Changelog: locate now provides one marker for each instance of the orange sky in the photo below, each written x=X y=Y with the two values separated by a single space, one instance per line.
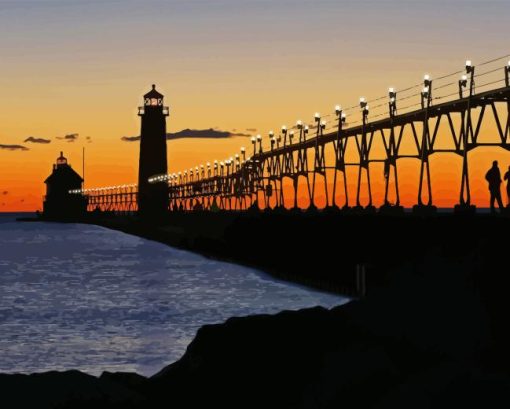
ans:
x=83 y=67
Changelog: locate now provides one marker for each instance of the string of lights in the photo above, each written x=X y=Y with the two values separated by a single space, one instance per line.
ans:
x=425 y=94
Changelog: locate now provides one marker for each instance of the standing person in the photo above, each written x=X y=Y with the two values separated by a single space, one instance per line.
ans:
x=507 y=178
x=493 y=176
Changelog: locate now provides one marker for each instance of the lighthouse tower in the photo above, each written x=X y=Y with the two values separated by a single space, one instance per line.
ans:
x=152 y=198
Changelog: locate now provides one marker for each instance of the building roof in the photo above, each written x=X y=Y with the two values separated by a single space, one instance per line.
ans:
x=63 y=172
x=153 y=93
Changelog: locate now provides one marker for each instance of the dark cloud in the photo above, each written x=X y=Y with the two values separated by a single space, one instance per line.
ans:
x=193 y=133
x=203 y=133
x=14 y=147
x=130 y=138
x=251 y=129
x=240 y=134
x=71 y=137
x=33 y=139
x=5 y=192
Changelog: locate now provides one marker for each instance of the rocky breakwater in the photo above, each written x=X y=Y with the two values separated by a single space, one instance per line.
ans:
x=436 y=337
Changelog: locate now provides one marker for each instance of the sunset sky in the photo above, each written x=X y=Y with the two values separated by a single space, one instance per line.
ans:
x=79 y=68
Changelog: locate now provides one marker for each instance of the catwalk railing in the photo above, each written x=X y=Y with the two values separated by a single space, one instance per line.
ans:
x=117 y=199
x=309 y=157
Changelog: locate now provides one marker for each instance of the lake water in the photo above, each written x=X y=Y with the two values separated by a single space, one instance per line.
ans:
x=76 y=296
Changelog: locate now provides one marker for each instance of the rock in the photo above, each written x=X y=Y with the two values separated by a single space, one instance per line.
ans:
x=69 y=389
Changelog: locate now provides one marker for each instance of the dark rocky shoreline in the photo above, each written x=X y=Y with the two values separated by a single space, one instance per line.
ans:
x=432 y=332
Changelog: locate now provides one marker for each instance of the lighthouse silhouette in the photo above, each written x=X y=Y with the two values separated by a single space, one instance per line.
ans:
x=152 y=197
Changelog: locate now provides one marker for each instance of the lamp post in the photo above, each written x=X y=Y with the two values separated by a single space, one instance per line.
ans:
x=507 y=74
x=259 y=140
x=365 y=110
x=467 y=129
x=299 y=125
x=426 y=93
x=392 y=101
x=339 y=154
x=284 y=133
x=254 y=143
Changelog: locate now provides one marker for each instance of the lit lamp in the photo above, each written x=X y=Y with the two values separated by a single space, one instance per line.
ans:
x=426 y=93
x=462 y=84
x=340 y=115
x=299 y=125
x=469 y=67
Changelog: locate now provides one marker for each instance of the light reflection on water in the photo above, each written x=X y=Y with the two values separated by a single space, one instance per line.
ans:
x=88 y=298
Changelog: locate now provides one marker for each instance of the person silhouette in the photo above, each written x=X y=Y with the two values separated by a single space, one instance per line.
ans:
x=507 y=178
x=493 y=176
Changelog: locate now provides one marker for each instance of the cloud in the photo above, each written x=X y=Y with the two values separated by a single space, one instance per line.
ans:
x=14 y=147
x=71 y=137
x=37 y=140
x=251 y=129
x=203 y=133
x=5 y=192
x=130 y=138
x=240 y=134
x=193 y=133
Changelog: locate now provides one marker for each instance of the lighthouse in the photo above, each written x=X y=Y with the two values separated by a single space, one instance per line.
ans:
x=152 y=198
x=58 y=202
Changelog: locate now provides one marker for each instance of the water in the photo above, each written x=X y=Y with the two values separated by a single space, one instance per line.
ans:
x=88 y=298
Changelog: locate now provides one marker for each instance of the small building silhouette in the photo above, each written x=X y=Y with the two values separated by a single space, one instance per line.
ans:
x=59 y=202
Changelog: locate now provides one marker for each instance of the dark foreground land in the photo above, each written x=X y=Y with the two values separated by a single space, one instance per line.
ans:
x=432 y=331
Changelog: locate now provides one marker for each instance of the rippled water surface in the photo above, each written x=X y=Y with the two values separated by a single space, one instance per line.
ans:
x=89 y=298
